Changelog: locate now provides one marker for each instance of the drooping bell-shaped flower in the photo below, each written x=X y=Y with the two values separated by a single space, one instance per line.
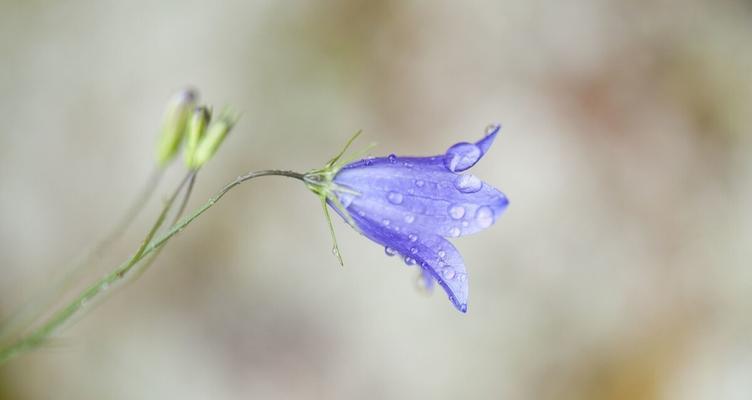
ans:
x=411 y=205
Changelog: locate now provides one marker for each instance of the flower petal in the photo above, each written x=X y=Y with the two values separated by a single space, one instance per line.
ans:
x=421 y=196
x=442 y=261
x=491 y=132
x=410 y=204
x=438 y=258
x=427 y=281
x=463 y=155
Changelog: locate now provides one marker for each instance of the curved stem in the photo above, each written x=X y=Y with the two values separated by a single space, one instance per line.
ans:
x=130 y=215
x=183 y=203
x=159 y=241
x=29 y=313
x=93 y=292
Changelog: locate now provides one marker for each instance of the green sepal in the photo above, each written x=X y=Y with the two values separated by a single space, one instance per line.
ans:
x=195 y=132
x=216 y=133
x=321 y=182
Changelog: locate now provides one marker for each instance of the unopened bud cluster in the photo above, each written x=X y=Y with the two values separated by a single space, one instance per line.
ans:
x=192 y=125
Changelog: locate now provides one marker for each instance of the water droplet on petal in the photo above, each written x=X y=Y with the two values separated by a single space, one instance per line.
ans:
x=414 y=250
x=335 y=251
x=468 y=183
x=413 y=237
x=462 y=156
x=484 y=217
x=462 y=277
x=419 y=183
x=395 y=197
x=448 y=273
x=409 y=218
x=389 y=251
x=456 y=211
x=385 y=222
x=362 y=213
x=491 y=128
x=442 y=253
x=392 y=158
x=454 y=231
x=409 y=261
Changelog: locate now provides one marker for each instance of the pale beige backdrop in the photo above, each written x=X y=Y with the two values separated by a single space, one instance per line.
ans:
x=621 y=269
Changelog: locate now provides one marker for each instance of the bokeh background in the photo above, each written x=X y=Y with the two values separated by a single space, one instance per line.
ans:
x=621 y=269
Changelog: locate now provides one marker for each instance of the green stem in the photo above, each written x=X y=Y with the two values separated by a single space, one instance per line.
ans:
x=153 y=256
x=159 y=241
x=29 y=313
x=130 y=215
x=39 y=335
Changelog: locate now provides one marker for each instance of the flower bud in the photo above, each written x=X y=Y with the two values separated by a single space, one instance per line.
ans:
x=173 y=124
x=215 y=134
x=194 y=133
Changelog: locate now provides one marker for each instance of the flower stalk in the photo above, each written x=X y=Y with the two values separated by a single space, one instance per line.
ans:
x=151 y=243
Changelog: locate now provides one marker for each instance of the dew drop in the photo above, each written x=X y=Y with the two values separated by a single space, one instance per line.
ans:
x=462 y=156
x=409 y=218
x=409 y=261
x=412 y=237
x=484 y=217
x=389 y=251
x=362 y=213
x=335 y=251
x=454 y=231
x=385 y=222
x=414 y=250
x=420 y=183
x=395 y=197
x=456 y=211
x=392 y=158
x=468 y=183
x=462 y=277
x=442 y=253
x=491 y=128
x=448 y=273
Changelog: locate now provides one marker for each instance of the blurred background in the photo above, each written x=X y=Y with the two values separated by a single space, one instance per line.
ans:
x=621 y=269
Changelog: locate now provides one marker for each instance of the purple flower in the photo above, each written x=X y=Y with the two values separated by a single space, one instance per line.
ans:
x=410 y=205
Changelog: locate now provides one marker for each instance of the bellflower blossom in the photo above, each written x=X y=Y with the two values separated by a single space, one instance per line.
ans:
x=411 y=205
